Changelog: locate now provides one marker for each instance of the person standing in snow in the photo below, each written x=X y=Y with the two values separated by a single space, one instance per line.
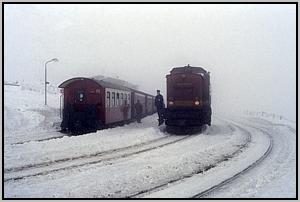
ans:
x=160 y=106
x=138 y=110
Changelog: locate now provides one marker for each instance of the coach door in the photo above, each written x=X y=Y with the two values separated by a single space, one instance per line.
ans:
x=95 y=99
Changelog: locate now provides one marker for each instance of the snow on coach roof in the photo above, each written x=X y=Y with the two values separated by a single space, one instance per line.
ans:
x=99 y=82
x=102 y=83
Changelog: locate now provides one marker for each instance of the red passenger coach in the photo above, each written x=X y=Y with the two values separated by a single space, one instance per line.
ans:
x=90 y=104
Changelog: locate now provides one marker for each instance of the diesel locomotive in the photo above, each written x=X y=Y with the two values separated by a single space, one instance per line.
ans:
x=188 y=98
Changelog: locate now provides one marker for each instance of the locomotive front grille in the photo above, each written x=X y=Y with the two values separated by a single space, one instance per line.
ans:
x=183 y=114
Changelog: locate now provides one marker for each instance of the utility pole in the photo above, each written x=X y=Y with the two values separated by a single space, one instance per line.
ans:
x=46 y=82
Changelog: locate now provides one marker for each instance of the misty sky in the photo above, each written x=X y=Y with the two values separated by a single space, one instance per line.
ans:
x=249 y=49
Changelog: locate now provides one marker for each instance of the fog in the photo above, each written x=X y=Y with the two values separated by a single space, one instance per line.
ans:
x=249 y=49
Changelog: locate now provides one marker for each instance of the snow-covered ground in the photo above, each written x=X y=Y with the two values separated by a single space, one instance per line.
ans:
x=141 y=160
x=275 y=177
x=25 y=115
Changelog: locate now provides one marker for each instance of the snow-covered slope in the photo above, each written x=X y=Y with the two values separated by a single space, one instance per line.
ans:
x=25 y=114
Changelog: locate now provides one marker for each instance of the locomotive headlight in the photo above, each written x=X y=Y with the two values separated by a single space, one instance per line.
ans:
x=171 y=103
x=197 y=102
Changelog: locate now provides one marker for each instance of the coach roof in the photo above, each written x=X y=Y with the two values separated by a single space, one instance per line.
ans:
x=102 y=83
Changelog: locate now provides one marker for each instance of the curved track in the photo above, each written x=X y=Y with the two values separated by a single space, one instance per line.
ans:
x=144 y=193
x=213 y=175
x=275 y=176
x=251 y=166
x=202 y=170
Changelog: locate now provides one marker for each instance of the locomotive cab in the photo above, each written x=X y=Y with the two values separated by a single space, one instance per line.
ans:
x=188 y=97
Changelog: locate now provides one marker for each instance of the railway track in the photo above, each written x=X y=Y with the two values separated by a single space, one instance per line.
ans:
x=116 y=156
x=42 y=139
x=224 y=182
x=22 y=172
x=201 y=170
x=231 y=179
x=215 y=187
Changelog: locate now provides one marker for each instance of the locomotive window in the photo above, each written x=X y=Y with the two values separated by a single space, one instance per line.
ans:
x=108 y=99
x=128 y=96
x=113 y=99
x=121 y=98
x=80 y=95
x=184 y=85
x=125 y=96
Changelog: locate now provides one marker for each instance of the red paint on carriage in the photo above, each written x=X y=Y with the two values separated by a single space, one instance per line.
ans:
x=89 y=102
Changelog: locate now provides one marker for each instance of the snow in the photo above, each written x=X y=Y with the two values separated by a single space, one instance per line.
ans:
x=137 y=172
x=25 y=115
x=56 y=149
x=275 y=176
x=190 y=187
x=141 y=160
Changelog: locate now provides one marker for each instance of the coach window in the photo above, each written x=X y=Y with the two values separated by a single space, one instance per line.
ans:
x=108 y=99
x=129 y=97
x=121 y=98
x=113 y=99
x=118 y=99
x=80 y=95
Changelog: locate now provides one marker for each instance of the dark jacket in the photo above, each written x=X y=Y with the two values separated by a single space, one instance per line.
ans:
x=159 y=102
x=138 y=108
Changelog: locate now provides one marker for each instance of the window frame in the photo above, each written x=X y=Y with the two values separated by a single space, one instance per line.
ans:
x=108 y=99
x=118 y=98
x=113 y=99
x=78 y=93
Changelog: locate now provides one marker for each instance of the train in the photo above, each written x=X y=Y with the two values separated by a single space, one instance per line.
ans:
x=188 y=98
x=89 y=104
